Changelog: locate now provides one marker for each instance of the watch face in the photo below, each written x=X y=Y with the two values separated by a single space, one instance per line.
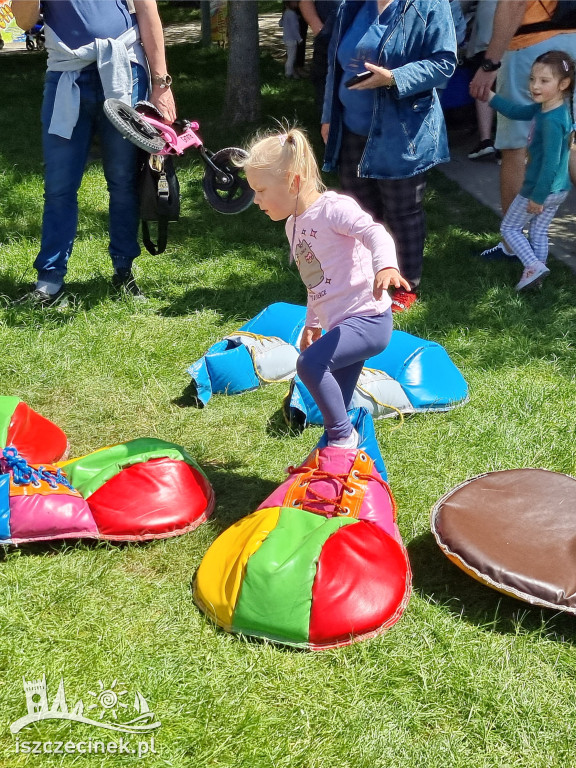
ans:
x=489 y=66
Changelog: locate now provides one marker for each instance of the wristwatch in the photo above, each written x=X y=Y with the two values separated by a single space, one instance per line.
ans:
x=490 y=66
x=164 y=81
x=392 y=82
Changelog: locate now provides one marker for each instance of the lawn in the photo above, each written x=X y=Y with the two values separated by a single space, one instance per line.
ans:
x=468 y=678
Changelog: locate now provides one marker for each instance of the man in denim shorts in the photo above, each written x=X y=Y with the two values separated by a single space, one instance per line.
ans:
x=509 y=56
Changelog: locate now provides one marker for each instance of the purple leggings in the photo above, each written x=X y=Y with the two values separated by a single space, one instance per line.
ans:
x=330 y=367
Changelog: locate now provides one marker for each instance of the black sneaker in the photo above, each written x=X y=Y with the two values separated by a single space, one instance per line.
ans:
x=39 y=297
x=484 y=149
x=123 y=280
x=497 y=253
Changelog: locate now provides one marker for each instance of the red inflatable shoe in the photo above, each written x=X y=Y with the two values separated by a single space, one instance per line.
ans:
x=36 y=438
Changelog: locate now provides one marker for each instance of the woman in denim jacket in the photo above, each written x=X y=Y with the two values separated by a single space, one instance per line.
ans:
x=385 y=132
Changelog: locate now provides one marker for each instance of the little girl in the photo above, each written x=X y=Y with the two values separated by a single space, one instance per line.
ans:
x=346 y=261
x=547 y=180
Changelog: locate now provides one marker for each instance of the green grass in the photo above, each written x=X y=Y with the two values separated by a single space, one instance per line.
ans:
x=468 y=678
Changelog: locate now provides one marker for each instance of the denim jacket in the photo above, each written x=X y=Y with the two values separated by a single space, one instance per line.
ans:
x=407 y=134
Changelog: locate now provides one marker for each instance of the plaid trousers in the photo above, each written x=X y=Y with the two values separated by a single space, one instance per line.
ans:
x=396 y=203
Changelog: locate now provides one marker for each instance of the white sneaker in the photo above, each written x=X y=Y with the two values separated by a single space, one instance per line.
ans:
x=533 y=275
x=346 y=442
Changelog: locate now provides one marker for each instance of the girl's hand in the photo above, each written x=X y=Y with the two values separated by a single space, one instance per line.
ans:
x=324 y=129
x=386 y=278
x=533 y=207
x=309 y=336
x=380 y=78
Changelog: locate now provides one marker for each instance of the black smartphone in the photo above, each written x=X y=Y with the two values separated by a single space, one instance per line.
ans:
x=358 y=78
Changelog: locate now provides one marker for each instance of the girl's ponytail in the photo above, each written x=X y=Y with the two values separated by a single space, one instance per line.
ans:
x=286 y=153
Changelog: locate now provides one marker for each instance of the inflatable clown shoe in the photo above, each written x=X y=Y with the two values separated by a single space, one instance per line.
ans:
x=142 y=489
x=136 y=491
x=337 y=482
x=39 y=503
x=411 y=375
x=320 y=564
x=263 y=350
x=34 y=437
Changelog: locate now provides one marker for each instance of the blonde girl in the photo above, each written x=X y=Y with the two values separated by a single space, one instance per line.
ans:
x=347 y=262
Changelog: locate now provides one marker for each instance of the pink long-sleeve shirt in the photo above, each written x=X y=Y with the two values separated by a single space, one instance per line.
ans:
x=338 y=249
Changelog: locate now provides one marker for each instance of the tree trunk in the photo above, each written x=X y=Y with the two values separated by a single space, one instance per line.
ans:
x=205 y=23
x=242 y=102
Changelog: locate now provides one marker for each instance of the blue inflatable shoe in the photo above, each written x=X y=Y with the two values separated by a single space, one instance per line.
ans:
x=364 y=425
x=263 y=350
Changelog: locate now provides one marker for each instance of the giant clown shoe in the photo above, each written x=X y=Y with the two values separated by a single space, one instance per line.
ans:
x=411 y=375
x=320 y=564
x=135 y=491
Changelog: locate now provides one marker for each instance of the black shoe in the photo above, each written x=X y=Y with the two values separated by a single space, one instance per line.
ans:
x=41 y=298
x=123 y=280
x=484 y=149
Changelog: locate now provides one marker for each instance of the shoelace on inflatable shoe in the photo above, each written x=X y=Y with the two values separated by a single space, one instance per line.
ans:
x=338 y=507
x=24 y=474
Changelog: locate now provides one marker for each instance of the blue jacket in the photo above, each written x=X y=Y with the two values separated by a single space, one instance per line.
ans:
x=407 y=135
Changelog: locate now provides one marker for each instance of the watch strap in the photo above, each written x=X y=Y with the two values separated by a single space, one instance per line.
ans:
x=164 y=81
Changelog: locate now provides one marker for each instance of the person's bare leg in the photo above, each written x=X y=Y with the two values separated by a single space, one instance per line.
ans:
x=485 y=118
x=512 y=173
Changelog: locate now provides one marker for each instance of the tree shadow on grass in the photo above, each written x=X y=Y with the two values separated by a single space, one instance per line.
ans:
x=435 y=577
x=16 y=312
x=237 y=298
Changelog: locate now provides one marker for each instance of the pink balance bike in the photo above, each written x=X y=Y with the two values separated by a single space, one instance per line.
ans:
x=223 y=184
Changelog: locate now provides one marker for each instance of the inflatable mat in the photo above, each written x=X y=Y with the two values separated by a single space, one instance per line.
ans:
x=514 y=531
x=320 y=564
x=135 y=491
x=411 y=375
x=35 y=438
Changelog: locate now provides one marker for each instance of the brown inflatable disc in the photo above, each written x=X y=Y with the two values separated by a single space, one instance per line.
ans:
x=514 y=531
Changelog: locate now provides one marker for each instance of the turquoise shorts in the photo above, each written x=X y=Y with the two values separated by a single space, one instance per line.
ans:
x=512 y=83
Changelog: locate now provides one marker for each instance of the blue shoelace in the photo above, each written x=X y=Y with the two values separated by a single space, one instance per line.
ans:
x=24 y=474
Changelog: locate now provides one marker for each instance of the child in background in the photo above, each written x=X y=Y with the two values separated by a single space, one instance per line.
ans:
x=347 y=262
x=290 y=24
x=547 y=180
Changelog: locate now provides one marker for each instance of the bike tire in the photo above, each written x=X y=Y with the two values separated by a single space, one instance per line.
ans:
x=133 y=126
x=230 y=198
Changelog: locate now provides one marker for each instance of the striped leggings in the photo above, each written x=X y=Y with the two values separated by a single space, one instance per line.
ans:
x=533 y=248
